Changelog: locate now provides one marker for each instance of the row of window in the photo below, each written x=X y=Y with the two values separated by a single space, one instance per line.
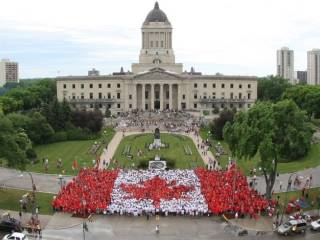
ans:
x=100 y=96
x=90 y=85
x=195 y=85
x=223 y=105
x=232 y=96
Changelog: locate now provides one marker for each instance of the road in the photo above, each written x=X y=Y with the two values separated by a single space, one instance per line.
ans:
x=171 y=228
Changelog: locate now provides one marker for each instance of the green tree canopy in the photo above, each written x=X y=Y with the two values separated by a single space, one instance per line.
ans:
x=217 y=125
x=271 y=88
x=307 y=97
x=274 y=131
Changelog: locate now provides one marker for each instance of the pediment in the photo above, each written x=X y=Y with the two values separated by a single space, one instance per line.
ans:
x=157 y=74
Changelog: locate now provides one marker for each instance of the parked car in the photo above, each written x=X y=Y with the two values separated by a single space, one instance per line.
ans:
x=10 y=225
x=293 y=226
x=304 y=216
x=15 y=236
x=315 y=225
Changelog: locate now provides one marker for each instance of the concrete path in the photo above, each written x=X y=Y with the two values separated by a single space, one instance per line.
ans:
x=284 y=178
x=44 y=219
x=11 y=178
x=108 y=153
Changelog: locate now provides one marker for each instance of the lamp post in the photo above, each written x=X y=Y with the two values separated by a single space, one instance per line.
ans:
x=60 y=177
x=286 y=196
x=84 y=224
x=34 y=200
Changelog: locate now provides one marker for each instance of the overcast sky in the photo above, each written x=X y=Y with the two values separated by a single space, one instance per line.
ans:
x=238 y=37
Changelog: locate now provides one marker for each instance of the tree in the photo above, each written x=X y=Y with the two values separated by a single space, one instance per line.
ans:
x=272 y=88
x=9 y=104
x=306 y=97
x=91 y=120
x=218 y=123
x=276 y=132
x=13 y=144
x=34 y=124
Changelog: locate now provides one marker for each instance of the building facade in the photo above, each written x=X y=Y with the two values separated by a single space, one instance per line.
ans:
x=9 y=72
x=285 y=64
x=301 y=77
x=314 y=67
x=157 y=82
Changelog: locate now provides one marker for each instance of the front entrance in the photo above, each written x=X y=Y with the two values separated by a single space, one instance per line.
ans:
x=157 y=104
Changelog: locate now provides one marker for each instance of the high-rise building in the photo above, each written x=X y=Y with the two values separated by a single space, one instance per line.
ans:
x=301 y=77
x=285 y=64
x=314 y=67
x=93 y=72
x=9 y=72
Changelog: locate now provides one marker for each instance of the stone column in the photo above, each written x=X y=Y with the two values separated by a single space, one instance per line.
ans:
x=143 y=99
x=179 y=96
x=170 y=96
x=134 y=97
x=161 y=97
x=152 y=97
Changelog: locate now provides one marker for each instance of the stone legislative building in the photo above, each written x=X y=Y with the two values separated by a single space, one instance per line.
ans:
x=157 y=82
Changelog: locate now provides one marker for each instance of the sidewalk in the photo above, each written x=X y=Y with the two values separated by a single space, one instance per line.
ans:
x=44 y=219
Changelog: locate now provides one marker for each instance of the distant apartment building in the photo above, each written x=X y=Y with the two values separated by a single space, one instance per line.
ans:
x=93 y=72
x=301 y=77
x=314 y=67
x=9 y=72
x=285 y=64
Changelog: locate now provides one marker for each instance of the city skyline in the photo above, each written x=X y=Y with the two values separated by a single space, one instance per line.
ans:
x=61 y=39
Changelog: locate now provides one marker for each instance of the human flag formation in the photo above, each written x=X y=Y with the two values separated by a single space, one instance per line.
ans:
x=190 y=192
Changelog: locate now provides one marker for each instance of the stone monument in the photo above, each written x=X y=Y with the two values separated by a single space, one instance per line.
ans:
x=156 y=140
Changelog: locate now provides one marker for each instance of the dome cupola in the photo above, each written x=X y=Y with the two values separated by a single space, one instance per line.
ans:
x=156 y=15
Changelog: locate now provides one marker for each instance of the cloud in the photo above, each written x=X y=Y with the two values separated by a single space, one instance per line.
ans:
x=230 y=36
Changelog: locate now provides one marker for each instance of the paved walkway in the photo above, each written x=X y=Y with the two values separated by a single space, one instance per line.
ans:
x=12 y=178
x=283 y=180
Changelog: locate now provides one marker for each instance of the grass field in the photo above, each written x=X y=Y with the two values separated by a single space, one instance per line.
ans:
x=309 y=161
x=176 y=151
x=68 y=152
x=312 y=199
x=10 y=200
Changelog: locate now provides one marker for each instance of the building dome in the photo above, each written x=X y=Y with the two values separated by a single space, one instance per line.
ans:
x=156 y=15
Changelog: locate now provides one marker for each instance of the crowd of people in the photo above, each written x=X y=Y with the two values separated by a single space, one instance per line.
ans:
x=171 y=121
x=155 y=191
x=228 y=191
x=138 y=192
x=89 y=192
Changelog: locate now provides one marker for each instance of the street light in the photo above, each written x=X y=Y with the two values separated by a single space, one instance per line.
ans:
x=34 y=200
x=60 y=177
x=286 y=196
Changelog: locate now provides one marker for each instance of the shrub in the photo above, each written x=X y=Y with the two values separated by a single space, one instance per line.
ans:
x=59 y=137
x=143 y=164
x=215 y=110
x=205 y=112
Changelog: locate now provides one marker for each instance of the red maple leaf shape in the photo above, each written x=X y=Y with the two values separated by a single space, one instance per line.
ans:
x=156 y=189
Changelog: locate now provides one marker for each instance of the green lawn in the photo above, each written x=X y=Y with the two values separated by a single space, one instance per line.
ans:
x=68 y=152
x=10 y=200
x=312 y=199
x=309 y=161
x=175 y=152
